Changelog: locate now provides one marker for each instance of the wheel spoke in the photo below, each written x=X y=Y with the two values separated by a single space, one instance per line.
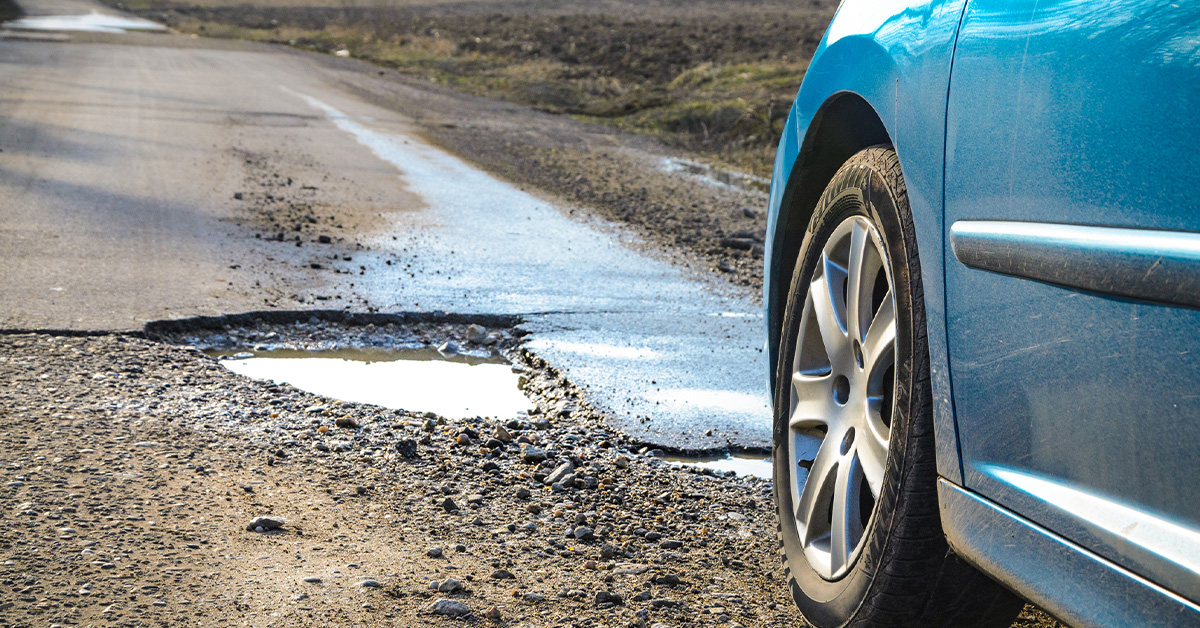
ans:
x=845 y=525
x=826 y=313
x=872 y=449
x=881 y=336
x=812 y=404
x=810 y=508
x=859 y=239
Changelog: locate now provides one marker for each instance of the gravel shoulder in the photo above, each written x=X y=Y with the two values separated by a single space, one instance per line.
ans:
x=132 y=470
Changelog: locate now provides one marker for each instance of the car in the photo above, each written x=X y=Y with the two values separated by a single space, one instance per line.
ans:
x=982 y=294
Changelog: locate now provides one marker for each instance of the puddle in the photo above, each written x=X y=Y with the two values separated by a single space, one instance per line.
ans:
x=94 y=22
x=742 y=464
x=717 y=176
x=417 y=380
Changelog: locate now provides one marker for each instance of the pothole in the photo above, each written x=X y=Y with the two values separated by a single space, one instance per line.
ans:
x=458 y=370
x=741 y=464
x=455 y=386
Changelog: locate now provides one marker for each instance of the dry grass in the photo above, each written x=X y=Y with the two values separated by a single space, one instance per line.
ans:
x=714 y=78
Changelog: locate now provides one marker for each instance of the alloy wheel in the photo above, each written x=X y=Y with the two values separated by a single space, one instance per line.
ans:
x=843 y=384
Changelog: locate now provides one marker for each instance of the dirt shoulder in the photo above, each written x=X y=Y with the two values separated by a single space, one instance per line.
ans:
x=132 y=470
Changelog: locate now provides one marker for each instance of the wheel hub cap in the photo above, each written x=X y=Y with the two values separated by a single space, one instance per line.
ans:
x=843 y=381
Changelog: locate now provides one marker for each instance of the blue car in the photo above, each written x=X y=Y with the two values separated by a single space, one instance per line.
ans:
x=982 y=289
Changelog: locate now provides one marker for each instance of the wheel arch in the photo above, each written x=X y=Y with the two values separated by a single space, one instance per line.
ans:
x=844 y=124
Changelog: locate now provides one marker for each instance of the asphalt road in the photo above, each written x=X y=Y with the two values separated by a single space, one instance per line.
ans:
x=152 y=176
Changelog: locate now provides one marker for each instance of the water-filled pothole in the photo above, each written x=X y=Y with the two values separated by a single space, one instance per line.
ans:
x=742 y=464
x=417 y=380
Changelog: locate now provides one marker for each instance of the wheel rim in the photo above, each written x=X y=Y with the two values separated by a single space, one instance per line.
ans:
x=843 y=383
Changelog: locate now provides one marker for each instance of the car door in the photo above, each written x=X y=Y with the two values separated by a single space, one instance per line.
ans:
x=1075 y=352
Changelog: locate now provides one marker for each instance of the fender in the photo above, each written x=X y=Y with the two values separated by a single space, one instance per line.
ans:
x=880 y=75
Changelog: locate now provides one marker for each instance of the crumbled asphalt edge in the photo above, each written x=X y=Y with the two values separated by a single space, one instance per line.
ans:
x=552 y=393
x=183 y=402
x=116 y=442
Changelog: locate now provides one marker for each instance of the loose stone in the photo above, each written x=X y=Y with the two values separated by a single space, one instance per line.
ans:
x=450 y=608
x=263 y=524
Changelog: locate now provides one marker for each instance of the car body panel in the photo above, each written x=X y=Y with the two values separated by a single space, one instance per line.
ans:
x=1066 y=405
x=1076 y=408
x=896 y=55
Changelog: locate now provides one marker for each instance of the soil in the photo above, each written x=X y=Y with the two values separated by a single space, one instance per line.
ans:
x=134 y=468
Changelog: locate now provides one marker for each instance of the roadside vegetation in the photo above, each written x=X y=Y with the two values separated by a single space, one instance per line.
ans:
x=714 y=78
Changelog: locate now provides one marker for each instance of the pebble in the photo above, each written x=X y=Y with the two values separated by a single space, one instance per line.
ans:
x=345 y=421
x=450 y=608
x=493 y=614
x=503 y=574
x=449 y=506
x=502 y=434
x=532 y=454
x=263 y=524
x=608 y=597
x=476 y=333
x=434 y=552
x=370 y=584
x=449 y=585
x=622 y=462
x=449 y=348
x=313 y=580
x=560 y=472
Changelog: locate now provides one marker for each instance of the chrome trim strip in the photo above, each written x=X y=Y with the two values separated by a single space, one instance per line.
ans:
x=1149 y=265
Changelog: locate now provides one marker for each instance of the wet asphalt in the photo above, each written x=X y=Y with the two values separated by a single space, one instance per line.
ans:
x=123 y=162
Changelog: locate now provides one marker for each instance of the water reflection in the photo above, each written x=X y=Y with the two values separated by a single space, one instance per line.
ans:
x=742 y=464
x=418 y=380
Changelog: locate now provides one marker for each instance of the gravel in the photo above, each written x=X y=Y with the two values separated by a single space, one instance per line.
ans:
x=103 y=531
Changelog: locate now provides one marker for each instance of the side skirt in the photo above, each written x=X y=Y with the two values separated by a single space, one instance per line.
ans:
x=1072 y=583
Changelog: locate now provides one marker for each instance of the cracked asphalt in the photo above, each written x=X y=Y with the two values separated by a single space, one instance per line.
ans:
x=153 y=176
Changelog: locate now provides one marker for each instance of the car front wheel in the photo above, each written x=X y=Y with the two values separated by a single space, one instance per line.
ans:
x=859 y=529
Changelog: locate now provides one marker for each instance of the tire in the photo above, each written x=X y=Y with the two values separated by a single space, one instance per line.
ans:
x=866 y=548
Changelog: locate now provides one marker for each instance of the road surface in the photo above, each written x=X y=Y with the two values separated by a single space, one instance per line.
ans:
x=151 y=176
